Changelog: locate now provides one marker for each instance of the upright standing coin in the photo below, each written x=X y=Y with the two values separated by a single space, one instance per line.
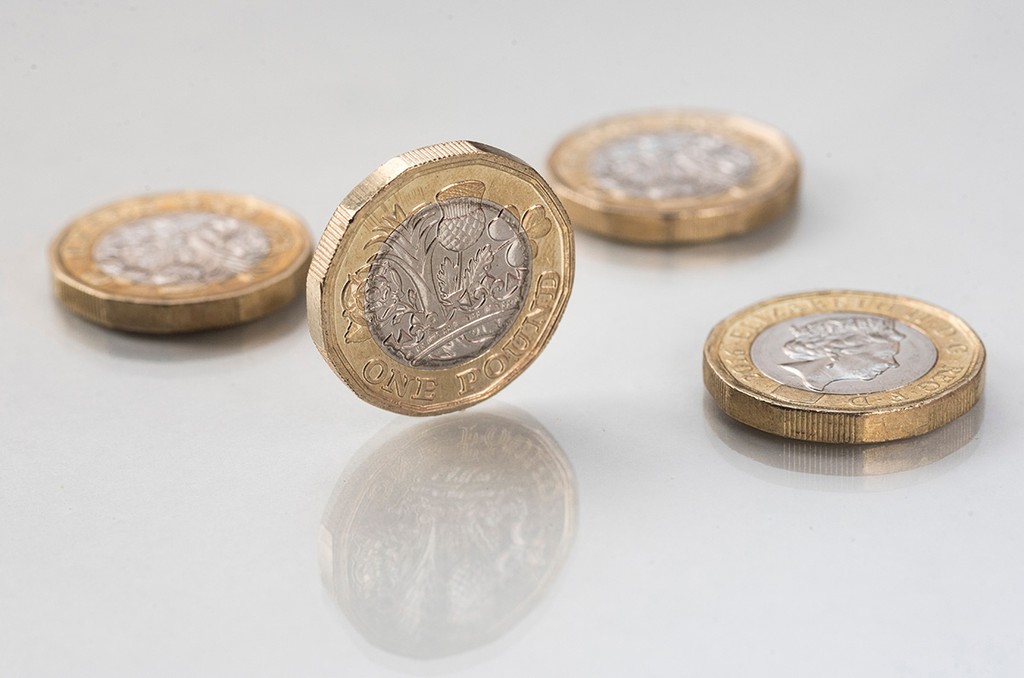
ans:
x=675 y=176
x=844 y=367
x=440 y=278
x=180 y=262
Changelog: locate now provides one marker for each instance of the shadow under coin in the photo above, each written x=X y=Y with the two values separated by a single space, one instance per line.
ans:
x=711 y=254
x=874 y=466
x=188 y=346
x=440 y=538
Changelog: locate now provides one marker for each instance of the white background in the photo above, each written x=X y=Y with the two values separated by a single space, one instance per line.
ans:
x=161 y=499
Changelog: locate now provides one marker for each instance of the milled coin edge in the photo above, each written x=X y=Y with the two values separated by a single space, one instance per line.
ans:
x=879 y=424
x=180 y=315
x=684 y=223
x=324 y=255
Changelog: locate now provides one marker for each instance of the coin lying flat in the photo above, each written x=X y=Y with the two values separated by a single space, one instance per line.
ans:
x=840 y=366
x=831 y=460
x=674 y=176
x=440 y=278
x=180 y=262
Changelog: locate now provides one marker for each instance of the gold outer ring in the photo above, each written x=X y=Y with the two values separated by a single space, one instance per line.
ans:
x=767 y=192
x=949 y=389
x=335 y=287
x=82 y=287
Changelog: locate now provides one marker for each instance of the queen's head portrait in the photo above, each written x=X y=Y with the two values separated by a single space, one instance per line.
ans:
x=840 y=348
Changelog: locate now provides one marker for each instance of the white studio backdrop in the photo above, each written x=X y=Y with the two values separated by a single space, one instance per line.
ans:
x=170 y=506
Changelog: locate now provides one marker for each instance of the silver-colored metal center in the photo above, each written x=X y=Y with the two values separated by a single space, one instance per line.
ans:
x=448 y=282
x=843 y=353
x=670 y=164
x=185 y=248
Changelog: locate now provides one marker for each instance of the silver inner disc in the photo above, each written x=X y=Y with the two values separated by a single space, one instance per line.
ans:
x=448 y=282
x=843 y=353
x=670 y=164
x=181 y=249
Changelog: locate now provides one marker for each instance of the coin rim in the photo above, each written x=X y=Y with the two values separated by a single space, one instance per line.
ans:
x=339 y=235
x=850 y=424
x=677 y=220
x=194 y=312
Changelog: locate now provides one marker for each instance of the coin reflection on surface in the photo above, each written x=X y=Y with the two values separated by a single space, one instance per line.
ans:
x=831 y=459
x=441 y=538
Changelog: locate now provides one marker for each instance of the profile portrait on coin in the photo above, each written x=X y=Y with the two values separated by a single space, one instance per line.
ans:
x=844 y=366
x=836 y=349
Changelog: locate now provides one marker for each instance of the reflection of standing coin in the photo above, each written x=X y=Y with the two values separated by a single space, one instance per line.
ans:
x=851 y=367
x=442 y=538
x=674 y=177
x=440 y=278
x=180 y=262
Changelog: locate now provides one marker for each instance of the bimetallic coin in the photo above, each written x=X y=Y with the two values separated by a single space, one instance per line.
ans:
x=850 y=367
x=180 y=262
x=440 y=278
x=675 y=176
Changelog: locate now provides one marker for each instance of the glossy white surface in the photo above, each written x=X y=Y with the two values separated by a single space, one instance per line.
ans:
x=161 y=500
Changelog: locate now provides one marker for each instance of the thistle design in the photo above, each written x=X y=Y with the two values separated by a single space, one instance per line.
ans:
x=463 y=220
x=447 y=281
